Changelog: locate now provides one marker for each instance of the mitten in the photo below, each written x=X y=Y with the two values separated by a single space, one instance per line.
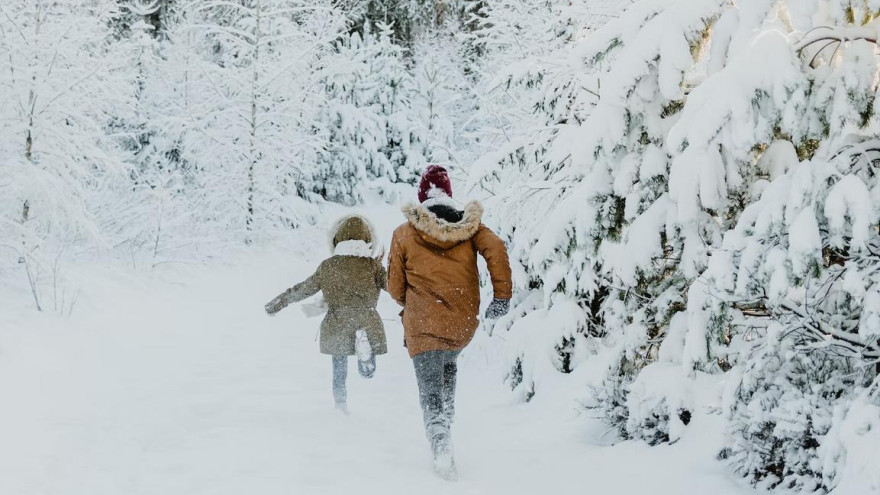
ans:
x=275 y=305
x=497 y=309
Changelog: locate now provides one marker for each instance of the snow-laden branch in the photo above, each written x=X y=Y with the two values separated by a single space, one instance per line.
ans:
x=202 y=5
x=232 y=33
x=839 y=34
x=822 y=332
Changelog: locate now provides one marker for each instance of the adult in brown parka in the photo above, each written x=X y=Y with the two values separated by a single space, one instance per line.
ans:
x=350 y=281
x=432 y=273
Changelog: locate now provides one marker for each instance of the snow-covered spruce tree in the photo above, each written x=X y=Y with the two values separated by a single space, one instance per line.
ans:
x=441 y=99
x=61 y=87
x=638 y=272
x=603 y=237
x=176 y=193
x=373 y=135
x=140 y=223
x=788 y=296
x=242 y=95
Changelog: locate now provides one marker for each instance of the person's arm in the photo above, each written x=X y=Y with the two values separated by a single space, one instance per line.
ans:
x=309 y=287
x=396 y=273
x=381 y=276
x=492 y=248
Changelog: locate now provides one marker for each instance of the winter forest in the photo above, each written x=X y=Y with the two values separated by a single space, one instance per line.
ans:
x=688 y=191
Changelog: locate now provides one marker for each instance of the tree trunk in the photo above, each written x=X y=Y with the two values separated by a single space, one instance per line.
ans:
x=254 y=154
x=158 y=17
x=29 y=156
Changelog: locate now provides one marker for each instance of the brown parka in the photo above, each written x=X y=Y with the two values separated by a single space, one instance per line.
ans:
x=351 y=283
x=432 y=273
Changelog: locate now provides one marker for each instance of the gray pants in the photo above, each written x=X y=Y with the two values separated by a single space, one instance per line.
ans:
x=340 y=374
x=436 y=373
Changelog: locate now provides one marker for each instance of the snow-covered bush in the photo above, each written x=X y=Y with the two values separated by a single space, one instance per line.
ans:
x=659 y=403
x=532 y=355
x=802 y=263
x=782 y=410
x=849 y=449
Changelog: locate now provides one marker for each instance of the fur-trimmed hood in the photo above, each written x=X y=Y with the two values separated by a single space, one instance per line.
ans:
x=445 y=233
x=354 y=235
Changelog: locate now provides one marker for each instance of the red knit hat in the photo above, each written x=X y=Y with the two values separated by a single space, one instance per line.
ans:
x=434 y=179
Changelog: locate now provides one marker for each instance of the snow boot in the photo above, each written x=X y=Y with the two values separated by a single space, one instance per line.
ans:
x=343 y=408
x=364 y=351
x=444 y=467
x=444 y=462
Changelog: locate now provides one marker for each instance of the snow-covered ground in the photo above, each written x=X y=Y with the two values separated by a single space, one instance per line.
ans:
x=175 y=382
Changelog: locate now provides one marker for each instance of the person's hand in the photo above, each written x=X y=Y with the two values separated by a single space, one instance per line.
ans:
x=274 y=306
x=497 y=309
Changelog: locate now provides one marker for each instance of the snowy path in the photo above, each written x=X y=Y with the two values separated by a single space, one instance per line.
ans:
x=188 y=388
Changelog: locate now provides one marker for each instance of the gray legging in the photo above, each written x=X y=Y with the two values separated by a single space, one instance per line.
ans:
x=436 y=374
x=340 y=373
